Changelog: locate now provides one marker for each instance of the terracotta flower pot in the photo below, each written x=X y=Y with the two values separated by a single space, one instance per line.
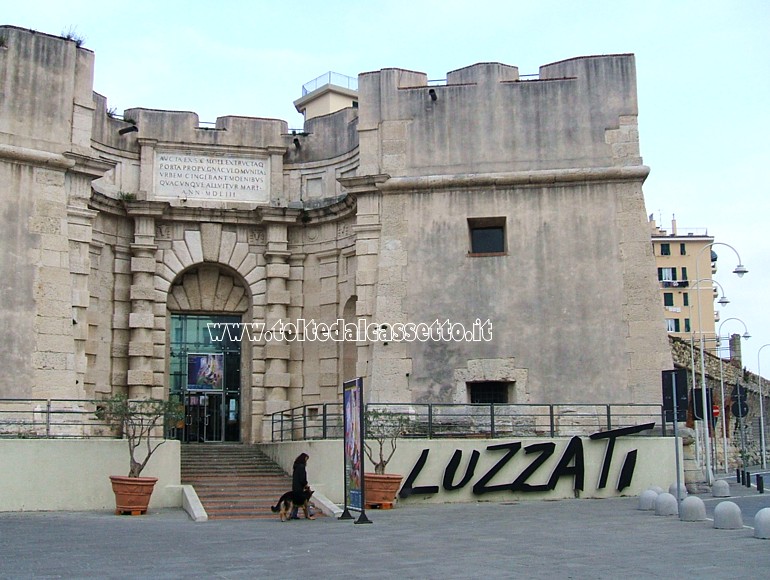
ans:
x=381 y=490
x=132 y=494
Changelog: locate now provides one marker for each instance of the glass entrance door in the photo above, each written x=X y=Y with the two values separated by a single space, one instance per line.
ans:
x=206 y=376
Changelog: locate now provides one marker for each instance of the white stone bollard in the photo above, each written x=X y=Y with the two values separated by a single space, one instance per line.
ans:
x=647 y=499
x=721 y=488
x=727 y=516
x=762 y=524
x=693 y=509
x=682 y=490
x=657 y=489
x=665 y=505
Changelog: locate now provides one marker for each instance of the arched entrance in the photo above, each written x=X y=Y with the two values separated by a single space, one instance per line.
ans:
x=206 y=362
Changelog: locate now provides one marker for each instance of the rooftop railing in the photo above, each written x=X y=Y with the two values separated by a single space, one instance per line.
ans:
x=330 y=78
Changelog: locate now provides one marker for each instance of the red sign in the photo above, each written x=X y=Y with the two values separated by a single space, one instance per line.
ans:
x=715 y=410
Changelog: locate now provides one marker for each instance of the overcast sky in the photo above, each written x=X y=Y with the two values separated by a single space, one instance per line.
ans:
x=703 y=72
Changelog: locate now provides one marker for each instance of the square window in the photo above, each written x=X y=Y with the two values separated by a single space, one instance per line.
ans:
x=487 y=236
x=668 y=299
x=488 y=392
x=672 y=324
x=665 y=249
x=667 y=274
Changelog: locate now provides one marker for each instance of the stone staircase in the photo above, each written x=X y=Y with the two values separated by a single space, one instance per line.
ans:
x=233 y=480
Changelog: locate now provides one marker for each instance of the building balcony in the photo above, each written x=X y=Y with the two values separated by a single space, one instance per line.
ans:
x=674 y=283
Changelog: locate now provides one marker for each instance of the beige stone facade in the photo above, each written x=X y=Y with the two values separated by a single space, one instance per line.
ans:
x=120 y=233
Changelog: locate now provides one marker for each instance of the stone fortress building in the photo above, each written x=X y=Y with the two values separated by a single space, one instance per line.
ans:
x=511 y=207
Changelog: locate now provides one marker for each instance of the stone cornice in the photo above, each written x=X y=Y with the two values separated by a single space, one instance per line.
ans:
x=35 y=157
x=92 y=166
x=364 y=183
x=430 y=183
x=145 y=208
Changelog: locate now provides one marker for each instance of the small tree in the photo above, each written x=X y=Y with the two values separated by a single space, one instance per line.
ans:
x=385 y=428
x=137 y=420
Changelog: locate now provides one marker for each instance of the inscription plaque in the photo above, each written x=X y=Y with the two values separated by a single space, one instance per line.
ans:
x=193 y=176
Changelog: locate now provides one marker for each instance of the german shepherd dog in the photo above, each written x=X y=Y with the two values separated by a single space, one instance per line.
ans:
x=288 y=500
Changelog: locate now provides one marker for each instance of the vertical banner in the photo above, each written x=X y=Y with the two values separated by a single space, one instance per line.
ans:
x=353 y=452
x=353 y=423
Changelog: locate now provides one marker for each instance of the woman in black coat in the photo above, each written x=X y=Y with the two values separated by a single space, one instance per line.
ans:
x=299 y=481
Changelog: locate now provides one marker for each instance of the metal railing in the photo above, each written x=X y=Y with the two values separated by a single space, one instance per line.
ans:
x=437 y=420
x=330 y=78
x=51 y=418
x=76 y=418
x=57 y=419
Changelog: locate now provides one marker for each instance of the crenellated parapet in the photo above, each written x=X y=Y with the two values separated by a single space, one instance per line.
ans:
x=487 y=119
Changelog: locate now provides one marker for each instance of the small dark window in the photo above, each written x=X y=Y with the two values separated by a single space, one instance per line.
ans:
x=668 y=299
x=687 y=325
x=487 y=236
x=665 y=249
x=685 y=299
x=683 y=249
x=684 y=274
x=488 y=392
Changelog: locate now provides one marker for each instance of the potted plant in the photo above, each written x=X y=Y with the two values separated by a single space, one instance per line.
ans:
x=141 y=422
x=383 y=428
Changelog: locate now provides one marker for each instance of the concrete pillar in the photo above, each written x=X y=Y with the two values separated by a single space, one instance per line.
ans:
x=277 y=380
x=141 y=318
x=367 y=229
x=329 y=351
x=79 y=230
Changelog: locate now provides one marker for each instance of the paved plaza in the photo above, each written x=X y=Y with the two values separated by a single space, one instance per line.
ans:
x=607 y=538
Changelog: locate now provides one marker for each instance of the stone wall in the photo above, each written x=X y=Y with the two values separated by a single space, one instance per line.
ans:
x=573 y=299
x=722 y=378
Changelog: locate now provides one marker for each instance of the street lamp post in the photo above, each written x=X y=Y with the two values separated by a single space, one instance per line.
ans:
x=761 y=410
x=723 y=301
x=740 y=270
x=722 y=413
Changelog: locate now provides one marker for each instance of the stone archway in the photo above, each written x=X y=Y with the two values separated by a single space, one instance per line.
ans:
x=208 y=288
x=217 y=406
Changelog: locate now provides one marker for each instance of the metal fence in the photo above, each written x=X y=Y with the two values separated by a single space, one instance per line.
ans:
x=436 y=420
x=51 y=418
x=76 y=418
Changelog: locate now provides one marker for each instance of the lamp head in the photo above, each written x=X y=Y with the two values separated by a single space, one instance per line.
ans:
x=723 y=301
x=740 y=269
x=746 y=335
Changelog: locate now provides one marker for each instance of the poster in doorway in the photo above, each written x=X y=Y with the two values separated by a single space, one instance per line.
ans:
x=205 y=371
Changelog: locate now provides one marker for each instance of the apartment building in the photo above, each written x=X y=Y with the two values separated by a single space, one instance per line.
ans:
x=686 y=263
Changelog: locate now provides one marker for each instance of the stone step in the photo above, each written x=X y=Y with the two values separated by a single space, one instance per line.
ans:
x=233 y=480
